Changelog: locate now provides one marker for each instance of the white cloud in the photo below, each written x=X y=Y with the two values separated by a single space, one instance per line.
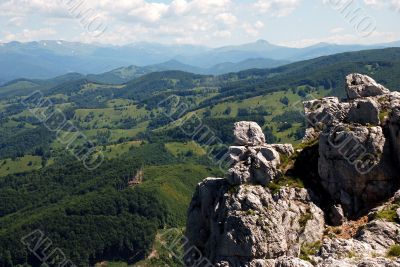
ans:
x=259 y=24
x=375 y=37
x=27 y=35
x=337 y=30
x=149 y=12
x=209 y=22
x=226 y=18
x=396 y=5
x=391 y=4
x=179 y=7
x=277 y=8
x=252 y=29
x=15 y=21
x=372 y=2
x=25 y=7
x=222 y=34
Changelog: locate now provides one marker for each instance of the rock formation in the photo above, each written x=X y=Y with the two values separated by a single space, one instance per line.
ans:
x=359 y=85
x=254 y=162
x=356 y=148
x=254 y=218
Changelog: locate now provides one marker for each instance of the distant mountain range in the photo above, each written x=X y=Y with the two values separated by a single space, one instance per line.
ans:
x=46 y=59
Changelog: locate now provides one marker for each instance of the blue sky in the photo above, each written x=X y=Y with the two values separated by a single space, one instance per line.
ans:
x=205 y=22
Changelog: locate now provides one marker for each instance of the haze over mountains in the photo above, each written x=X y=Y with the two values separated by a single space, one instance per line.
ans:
x=46 y=59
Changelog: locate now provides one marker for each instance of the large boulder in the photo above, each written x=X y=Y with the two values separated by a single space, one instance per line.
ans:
x=354 y=167
x=320 y=113
x=253 y=165
x=248 y=133
x=283 y=149
x=253 y=161
x=236 y=226
x=364 y=111
x=325 y=111
x=359 y=85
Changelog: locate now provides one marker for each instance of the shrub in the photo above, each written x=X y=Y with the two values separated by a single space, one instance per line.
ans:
x=307 y=250
x=388 y=214
x=305 y=218
x=394 y=251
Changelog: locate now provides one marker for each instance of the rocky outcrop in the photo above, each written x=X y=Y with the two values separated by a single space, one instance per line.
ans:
x=254 y=162
x=359 y=85
x=352 y=166
x=237 y=221
x=253 y=165
x=364 y=112
x=247 y=225
x=356 y=148
x=368 y=247
x=248 y=134
x=254 y=218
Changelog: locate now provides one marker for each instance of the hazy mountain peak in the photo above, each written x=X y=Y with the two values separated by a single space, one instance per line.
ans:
x=262 y=41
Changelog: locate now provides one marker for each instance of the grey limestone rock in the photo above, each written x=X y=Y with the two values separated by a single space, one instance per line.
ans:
x=359 y=85
x=248 y=133
x=353 y=168
x=364 y=111
x=249 y=223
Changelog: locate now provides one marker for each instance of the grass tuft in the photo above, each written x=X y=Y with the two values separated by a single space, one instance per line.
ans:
x=394 y=251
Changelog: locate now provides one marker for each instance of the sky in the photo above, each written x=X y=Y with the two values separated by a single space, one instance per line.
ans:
x=213 y=23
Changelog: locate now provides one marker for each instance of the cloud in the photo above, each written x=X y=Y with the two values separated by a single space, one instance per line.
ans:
x=390 y=4
x=180 y=20
x=277 y=8
x=375 y=37
x=210 y=22
x=222 y=34
x=25 y=7
x=253 y=30
x=226 y=18
x=179 y=7
x=372 y=2
x=337 y=30
x=27 y=35
x=149 y=12
x=396 y=5
x=15 y=22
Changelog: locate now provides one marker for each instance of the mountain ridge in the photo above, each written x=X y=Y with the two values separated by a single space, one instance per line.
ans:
x=37 y=59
